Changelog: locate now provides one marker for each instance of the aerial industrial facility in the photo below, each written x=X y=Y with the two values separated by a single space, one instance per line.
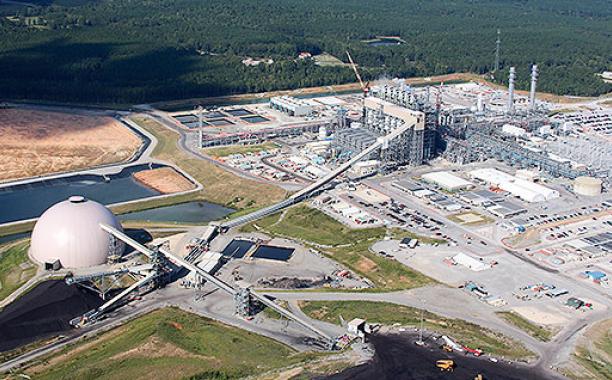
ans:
x=484 y=190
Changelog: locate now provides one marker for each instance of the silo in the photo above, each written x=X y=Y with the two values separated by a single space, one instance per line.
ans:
x=588 y=186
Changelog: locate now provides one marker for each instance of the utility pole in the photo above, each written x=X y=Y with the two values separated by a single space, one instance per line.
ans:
x=420 y=341
x=200 y=125
x=497 y=45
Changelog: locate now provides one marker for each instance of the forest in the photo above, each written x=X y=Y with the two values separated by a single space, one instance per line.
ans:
x=136 y=51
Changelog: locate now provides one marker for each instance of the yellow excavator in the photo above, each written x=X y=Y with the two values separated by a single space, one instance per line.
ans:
x=445 y=365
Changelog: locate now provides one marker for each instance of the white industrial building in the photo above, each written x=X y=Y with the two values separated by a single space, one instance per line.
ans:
x=513 y=130
x=69 y=234
x=470 y=262
x=291 y=105
x=447 y=181
x=525 y=190
x=210 y=262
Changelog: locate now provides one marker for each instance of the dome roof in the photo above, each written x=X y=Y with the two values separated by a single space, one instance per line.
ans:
x=70 y=232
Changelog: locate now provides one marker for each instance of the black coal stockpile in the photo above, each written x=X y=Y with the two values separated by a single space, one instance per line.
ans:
x=398 y=358
x=43 y=312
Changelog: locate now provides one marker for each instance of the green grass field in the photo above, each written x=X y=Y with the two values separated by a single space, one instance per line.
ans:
x=240 y=149
x=464 y=332
x=169 y=344
x=539 y=332
x=15 y=267
x=346 y=246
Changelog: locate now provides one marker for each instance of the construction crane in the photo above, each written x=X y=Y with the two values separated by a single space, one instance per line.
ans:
x=364 y=87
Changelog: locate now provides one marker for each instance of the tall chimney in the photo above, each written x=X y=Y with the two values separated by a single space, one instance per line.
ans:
x=510 y=107
x=532 y=90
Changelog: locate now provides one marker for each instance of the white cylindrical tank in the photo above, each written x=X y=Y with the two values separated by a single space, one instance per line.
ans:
x=480 y=103
x=322 y=133
x=70 y=232
x=588 y=186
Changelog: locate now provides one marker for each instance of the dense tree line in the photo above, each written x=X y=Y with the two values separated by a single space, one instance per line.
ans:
x=146 y=50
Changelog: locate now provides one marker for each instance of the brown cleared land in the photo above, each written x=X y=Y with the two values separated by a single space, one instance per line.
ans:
x=415 y=81
x=165 y=180
x=35 y=143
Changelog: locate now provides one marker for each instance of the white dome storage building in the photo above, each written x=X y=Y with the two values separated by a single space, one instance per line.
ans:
x=69 y=232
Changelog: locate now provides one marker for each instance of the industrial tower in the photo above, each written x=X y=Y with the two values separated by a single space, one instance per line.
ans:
x=497 y=45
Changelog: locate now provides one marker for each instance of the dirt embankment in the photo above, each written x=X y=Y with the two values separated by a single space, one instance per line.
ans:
x=35 y=143
x=165 y=180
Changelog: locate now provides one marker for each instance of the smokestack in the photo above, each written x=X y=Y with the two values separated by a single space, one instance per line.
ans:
x=532 y=90
x=510 y=107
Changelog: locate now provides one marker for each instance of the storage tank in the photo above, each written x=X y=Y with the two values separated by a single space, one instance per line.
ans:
x=322 y=133
x=69 y=232
x=588 y=186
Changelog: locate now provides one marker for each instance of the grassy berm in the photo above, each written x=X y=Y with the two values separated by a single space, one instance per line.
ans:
x=169 y=344
x=388 y=314
x=15 y=267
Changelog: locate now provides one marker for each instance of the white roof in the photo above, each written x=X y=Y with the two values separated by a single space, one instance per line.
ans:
x=447 y=180
x=491 y=175
x=70 y=232
x=423 y=193
x=470 y=262
x=526 y=190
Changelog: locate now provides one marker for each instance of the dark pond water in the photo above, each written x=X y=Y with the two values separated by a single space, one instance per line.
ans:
x=237 y=248
x=190 y=212
x=30 y=200
x=273 y=253
x=255 y=119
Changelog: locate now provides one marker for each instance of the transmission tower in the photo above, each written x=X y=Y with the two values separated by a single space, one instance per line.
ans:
x=497 y=45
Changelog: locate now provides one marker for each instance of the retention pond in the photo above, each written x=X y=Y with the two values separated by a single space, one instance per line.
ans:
x=30 y=200
x=189 y=212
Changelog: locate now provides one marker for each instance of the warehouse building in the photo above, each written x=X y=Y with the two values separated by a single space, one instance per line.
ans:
x=291 y=106
x=520 y=188
x=447 y=181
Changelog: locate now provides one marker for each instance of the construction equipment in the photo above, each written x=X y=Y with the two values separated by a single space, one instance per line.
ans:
x=452 y=344
x=473 y=351
x=445 y=365
x=447 y=348
x=364 y=87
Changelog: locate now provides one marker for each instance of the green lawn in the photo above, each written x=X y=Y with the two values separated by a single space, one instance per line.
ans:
x=387 y=314
x=539 y=332
x=347 y=246
x=311 y=225
x=170 y=344
x=15 y=267
x=240 y=149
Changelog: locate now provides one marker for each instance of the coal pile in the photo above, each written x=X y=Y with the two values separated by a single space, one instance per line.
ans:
x=398 y=358
x=294 y=282
x=43 y=312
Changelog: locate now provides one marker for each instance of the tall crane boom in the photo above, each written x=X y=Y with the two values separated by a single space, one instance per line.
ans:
x=354 y=66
